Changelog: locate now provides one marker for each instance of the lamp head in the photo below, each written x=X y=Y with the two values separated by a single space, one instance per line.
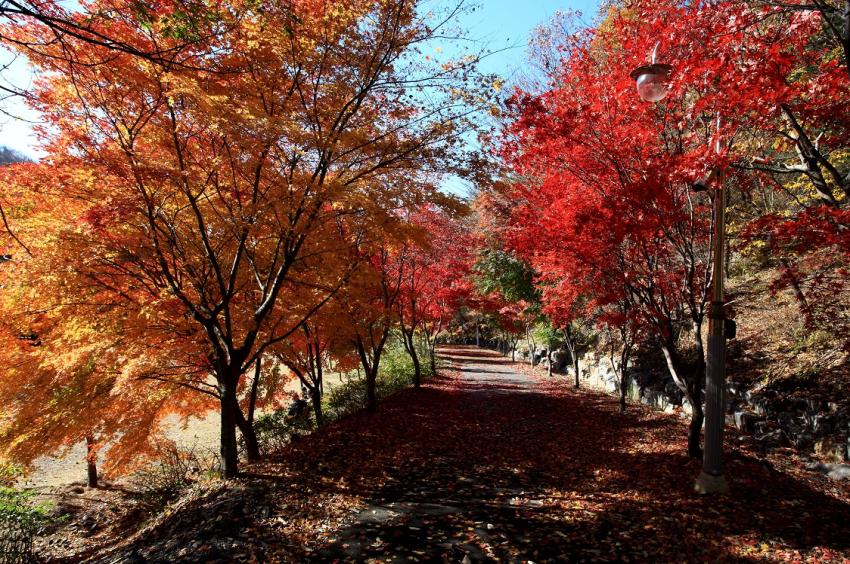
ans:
x=652 y=81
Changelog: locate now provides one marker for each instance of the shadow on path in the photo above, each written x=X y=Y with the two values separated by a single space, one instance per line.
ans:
x=486 y=463
x=495 y=466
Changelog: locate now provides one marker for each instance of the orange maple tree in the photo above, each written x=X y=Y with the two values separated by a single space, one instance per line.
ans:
x=190 y=202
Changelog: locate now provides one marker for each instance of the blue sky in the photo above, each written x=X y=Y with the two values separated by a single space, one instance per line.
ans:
x=503 y=25
x=508 y=23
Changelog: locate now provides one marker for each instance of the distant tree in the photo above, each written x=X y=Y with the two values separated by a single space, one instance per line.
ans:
x=11 y=156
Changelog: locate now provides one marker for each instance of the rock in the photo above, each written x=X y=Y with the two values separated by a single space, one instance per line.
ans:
x=832 y=449
x=832 y=471
x=774 y=439
x=559 y=359
x=813 y=405
x=802 y=440
x=539 y=357
x=88 y=522
x=746 y=421
x=785 y=419
x=822 y=425
x=760 y=428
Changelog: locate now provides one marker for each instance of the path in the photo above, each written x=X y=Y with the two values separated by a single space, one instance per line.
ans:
x=487 y=463
x=499 y=465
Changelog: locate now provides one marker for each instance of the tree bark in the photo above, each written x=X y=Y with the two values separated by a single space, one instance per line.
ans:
x=371 y=396
x=249 y=435
x=532 y=346
x=410 y=346
x=572 y=345
x=624 y=373
x=229 y=449
x=255 y=386
x=317 y=409
x=845 y=40
x=624 y=388
x=91 y=462
x=695 y=427
x=417 y=371
x=692 y=389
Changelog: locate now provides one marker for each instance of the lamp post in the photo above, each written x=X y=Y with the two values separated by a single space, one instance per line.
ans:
x=652 y=83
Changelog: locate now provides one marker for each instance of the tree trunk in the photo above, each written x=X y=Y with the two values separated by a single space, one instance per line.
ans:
x=532 y=346
x=255 y=387
x=575 y=369
x=91 y=462
x=317 y=409
x=692 y=389
x=229 y=449
x=794 y=282
x=572 y=346
x=695 y=427
x=410 y=345
x=845 y=40
x=249 y=435
x=371 y=384
x=624 y=372
x=624 y=388
x=417 y=371
x=318 y=392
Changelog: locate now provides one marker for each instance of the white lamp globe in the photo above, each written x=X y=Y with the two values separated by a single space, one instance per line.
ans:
x=652 y=81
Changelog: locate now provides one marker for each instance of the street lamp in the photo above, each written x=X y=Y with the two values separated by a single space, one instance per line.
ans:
x=653 y=84
x=652 y=80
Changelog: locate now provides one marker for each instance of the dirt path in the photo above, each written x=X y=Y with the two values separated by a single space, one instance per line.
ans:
x=488 y=463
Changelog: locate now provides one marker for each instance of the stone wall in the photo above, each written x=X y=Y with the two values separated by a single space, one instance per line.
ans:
x=770 y=421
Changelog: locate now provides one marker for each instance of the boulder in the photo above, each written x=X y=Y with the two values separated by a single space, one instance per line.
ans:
x=786 y=419
x=832 y=449
x=802 y=440
x=822 y=425
x=772 y=440
x=832 y=471
x=746 y=421
x=761 y=428
x=559 y=359
x=814 y=405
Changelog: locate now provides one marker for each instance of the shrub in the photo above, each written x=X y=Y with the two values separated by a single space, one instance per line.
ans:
x=18 y=506
x=276 y=429
x=395 y=374
x=172 y=471
x=346 y=398
x=20 y=516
